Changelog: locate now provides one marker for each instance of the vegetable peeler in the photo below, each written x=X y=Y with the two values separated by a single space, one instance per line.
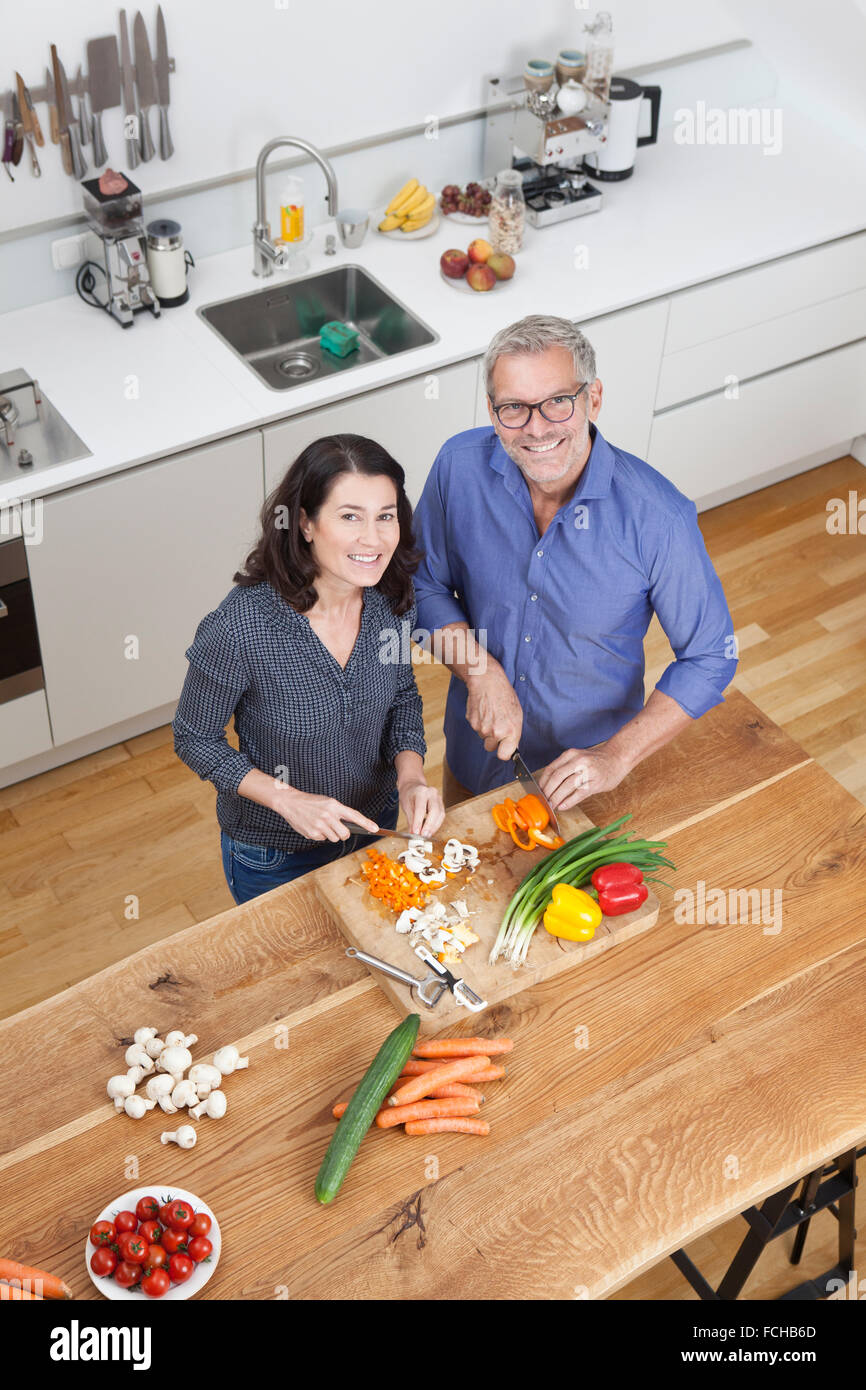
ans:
x=433 y=986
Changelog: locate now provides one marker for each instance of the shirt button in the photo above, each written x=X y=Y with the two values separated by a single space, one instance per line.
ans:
x=533 y=597
x=523 y=678
x=539 y=553
x=527 y=638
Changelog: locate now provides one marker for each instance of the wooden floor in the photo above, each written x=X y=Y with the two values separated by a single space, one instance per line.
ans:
x=103 y=856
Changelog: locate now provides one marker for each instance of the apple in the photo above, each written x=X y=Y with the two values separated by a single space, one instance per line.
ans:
x=481 y=277
x=454 y=264
x=479 y=250
x=501 y=264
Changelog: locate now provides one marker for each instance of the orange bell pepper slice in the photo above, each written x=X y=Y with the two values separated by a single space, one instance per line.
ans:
x=533 y=811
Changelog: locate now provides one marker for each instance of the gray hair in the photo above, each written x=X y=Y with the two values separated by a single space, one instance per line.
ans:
x=537 y=333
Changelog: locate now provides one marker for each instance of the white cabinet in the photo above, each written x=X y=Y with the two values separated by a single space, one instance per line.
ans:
x=412 y=419
x=24 y=728
x=628 y=349
x=127 y=567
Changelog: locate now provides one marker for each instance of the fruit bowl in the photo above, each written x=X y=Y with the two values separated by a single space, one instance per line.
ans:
x=477 y=270
x=397 y=235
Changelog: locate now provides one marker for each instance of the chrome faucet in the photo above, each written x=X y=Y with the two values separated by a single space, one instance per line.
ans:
x=265 y=254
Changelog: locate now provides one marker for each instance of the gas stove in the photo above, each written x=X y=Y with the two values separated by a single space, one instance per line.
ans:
x=33 y=433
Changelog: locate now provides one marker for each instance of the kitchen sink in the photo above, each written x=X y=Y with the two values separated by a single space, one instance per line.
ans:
x=276 y=330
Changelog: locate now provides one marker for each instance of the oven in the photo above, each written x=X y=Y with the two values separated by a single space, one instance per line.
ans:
x=20 y=659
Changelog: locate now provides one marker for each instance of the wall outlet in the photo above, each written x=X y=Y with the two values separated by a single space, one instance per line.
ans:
x=69 y=251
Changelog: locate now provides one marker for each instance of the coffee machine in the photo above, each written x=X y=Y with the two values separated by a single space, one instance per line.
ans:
x=116 y=218
x=527 y=131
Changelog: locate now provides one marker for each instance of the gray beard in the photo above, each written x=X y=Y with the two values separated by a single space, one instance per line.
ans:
x=579 y=444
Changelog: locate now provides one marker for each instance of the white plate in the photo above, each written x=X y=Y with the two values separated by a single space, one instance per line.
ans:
x=128 y=1202
x=427 y=230
x=465 y=217
x=467 y=289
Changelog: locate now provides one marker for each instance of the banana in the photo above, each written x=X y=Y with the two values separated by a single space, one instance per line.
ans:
x=412 y=224
x=414 y=201
x=390 y=223
x=405 y=192
x=424 y=207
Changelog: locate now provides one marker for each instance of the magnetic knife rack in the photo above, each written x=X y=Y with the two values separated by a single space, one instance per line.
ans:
x=76 y=88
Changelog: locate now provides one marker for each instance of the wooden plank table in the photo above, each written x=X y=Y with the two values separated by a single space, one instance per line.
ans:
x=671 y=1083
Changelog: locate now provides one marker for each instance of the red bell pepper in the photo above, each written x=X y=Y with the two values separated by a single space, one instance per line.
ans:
x=618 y=898
x=609 y=874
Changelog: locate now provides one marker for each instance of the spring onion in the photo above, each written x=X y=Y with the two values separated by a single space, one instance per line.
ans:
x=573 y=864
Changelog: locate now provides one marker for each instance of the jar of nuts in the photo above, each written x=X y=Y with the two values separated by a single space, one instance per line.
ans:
x=507 y=212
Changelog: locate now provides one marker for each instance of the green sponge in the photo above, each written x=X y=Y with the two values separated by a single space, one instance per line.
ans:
x=338 y=338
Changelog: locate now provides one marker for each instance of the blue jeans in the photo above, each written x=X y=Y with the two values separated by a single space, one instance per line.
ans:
x=254 y=869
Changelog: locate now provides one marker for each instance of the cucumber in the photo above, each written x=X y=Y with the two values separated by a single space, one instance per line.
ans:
x=363 y=1107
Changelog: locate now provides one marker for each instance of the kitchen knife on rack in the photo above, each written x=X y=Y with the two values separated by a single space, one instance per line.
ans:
x=84 y=123
x=130 y=108
x=17 y=131
x=53 y=122
x=66 y=119
x=30 y=121
x=7 y=134
x=166 y=148
x=145 y=78
x=103 y=84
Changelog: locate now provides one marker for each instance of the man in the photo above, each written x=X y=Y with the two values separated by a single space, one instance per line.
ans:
x=560 y=547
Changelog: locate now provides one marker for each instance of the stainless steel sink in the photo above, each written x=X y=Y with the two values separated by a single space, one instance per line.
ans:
x=276 y=330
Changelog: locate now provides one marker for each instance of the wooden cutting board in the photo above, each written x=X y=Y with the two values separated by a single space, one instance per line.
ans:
x=368 y=924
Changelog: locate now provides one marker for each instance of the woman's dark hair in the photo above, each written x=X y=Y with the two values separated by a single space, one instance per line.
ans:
x=282 y=556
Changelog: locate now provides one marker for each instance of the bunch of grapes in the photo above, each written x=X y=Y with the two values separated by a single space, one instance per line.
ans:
x=475 y=200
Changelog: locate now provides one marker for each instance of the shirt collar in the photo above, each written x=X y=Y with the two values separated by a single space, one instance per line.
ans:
x=594 y=481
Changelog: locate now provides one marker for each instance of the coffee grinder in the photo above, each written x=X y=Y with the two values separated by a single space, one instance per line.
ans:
x=116 y=218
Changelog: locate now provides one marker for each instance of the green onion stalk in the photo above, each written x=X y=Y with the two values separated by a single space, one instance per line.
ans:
x=575 y=864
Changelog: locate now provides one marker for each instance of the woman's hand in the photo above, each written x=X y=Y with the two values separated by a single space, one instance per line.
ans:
x=317 y=817
x=425 y=810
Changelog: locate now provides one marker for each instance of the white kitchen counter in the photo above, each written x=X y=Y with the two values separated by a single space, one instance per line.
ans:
x=689 y=214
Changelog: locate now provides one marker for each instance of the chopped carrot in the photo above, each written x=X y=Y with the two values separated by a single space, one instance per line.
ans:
x=462 y=1047
x=459 y=1126
x=392 y=883
x=419 y=1086
x=425 y=1110
x=48 y=1285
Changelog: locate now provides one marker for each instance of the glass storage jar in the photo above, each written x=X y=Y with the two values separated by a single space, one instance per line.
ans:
x=507 y=212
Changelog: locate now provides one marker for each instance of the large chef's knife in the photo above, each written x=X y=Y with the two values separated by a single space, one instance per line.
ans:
x=18 y=131
x=30 y=121
x=103 y=82
x=7 y=133
x=166 y=148
x=53 y=123
x=130 y=109
x=68 y=123
x=85 y=125
x=145 y=78
x=529 y=784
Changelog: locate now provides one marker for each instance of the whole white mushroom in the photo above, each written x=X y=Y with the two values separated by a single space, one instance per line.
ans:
x=228 y=1059
x=174 y=1059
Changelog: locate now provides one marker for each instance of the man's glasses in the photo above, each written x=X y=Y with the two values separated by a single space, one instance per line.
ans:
x=556 y=410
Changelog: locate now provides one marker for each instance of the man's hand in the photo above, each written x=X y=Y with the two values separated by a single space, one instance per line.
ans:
x=493 y=710
x=581 y=772
x=425 y=810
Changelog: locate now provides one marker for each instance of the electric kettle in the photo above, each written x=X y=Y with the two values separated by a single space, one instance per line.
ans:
x=615 y=158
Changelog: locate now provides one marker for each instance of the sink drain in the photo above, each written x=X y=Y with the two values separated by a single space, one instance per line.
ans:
x=297 y=366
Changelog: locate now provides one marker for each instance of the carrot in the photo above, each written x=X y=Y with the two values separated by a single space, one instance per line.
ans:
x=462 y=1047
x=27 y=1277
x=491 y=1073
x=415 y=1068
x=466 y=1126
x=11 y=1291
x=454 y=1091
x=425 y=1110
x=419 y=1086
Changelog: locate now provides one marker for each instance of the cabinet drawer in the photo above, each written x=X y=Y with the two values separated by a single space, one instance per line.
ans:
x=751 y=297
x=706 y=367
x=717 y=445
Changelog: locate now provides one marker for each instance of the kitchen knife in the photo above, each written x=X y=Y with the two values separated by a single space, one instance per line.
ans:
x=30 y=124
x=7 y=135
x=145 y=79
x=53 y=122
x=529 y=784
x=130 y=109
x=66 y=120
x=103 y=84
x=166 y=148
x=84 y=122
x=17 y=131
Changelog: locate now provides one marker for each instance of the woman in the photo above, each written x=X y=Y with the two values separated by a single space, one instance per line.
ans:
x=308 y=654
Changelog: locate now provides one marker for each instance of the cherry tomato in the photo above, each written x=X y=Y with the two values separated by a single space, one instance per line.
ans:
x=103 y=1261
x=127 y=1274
x=172 y=1240
x=163 y=1213
x=157 y=1257
x=147 y=1209
x=155 y=1283
x=150 y=1231
x=180 y=1267
x=199 y=1248
x=132 y=1248
x=201 y=1224
x=125 y=1221
x=103 y=1233
x=180 y=1215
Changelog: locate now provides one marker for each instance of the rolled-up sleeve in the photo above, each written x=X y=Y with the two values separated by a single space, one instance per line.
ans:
x=434 y=581
x=687 y=595
x=404 y=725
x=214 y=684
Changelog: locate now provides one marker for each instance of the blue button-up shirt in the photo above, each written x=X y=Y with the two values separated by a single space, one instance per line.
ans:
x=566 y=613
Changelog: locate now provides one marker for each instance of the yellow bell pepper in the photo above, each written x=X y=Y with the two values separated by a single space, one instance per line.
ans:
x=572 y=914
